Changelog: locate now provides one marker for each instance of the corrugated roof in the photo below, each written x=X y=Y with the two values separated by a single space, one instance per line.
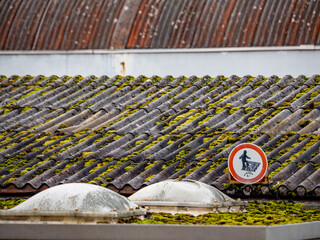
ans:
x=128 y=132
x=120 y=24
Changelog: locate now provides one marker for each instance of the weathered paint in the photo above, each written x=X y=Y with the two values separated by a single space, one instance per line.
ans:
x=200 y=63
x=121 y=24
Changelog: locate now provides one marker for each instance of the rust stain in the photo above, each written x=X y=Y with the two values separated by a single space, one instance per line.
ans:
x=120 y=24
x=276 y=22
x=8 y=14
x=286 y=23
x=203 y=26
x=123 y=26
x=127 y=190
x=225 y=23
x=123 y=68
x=316 y=28
x=136 y=32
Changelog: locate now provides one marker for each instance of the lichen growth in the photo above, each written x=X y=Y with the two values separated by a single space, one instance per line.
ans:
x=257 y=213
x=10 y=203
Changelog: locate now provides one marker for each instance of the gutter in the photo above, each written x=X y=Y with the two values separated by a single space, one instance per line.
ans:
x=164 y=50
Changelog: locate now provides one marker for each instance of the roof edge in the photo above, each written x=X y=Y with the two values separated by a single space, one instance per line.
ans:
x=304 y=47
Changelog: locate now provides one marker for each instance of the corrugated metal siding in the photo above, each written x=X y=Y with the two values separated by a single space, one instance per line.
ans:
x=119 y=24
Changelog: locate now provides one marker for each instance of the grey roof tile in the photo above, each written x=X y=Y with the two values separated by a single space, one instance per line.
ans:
x=125 y=133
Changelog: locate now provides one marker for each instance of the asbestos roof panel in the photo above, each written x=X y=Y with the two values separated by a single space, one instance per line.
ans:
x=125 y=133
x=143 y=24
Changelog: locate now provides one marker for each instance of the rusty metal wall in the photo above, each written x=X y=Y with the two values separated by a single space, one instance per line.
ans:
x=120 y=24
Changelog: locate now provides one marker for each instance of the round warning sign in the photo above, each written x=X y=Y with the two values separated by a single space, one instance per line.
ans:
x=247 y=163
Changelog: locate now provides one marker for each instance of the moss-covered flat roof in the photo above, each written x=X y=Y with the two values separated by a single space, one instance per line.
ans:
x=124 y=133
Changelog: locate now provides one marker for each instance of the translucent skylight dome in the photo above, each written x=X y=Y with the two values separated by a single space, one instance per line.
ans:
x=180 y=191
x=81 y=197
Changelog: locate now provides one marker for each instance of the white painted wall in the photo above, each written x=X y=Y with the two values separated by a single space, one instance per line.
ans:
x=199 y=62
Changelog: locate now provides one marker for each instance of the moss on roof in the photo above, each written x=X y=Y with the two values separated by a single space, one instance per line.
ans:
x=128 y=132
x=258 y=213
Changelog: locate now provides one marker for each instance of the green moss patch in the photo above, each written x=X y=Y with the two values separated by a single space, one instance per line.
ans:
x=264 y=213
x=10 y=203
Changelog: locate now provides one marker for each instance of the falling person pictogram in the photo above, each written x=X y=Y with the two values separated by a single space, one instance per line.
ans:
x=249 y=166
x=244 y=158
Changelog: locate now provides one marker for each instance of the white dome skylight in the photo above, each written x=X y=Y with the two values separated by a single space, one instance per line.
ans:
x=80 y=196
x=180 y=191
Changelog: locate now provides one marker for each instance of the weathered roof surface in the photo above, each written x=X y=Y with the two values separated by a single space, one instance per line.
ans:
x=120 y=24
x=125 y=133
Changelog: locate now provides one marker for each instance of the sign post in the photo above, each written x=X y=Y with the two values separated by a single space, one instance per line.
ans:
x=248 y=164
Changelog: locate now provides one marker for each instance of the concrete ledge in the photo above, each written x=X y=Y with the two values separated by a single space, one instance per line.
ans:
x=294 y=231
x=265 y=61
x=156 y=232
x=15 y=216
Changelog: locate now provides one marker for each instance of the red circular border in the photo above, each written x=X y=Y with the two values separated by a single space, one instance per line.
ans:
x=262 y=155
